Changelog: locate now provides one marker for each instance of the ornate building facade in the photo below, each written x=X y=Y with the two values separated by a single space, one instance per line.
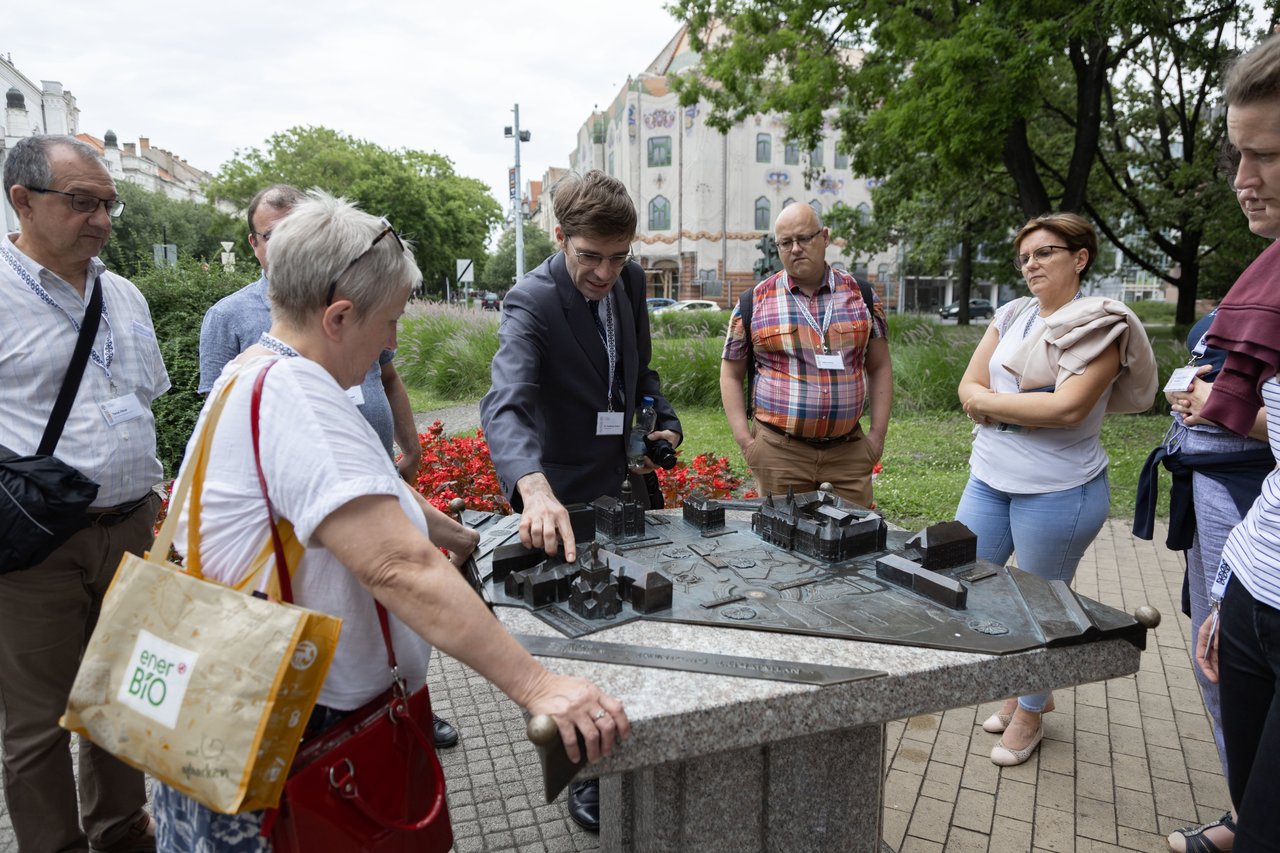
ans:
x=705 y=198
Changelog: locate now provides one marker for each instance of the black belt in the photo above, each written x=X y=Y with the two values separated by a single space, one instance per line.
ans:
x=113 y=515
x=851 y=435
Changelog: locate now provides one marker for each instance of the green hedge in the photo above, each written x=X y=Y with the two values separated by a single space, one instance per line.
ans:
x=178 y=299
x=689 y=324
x=447 y=350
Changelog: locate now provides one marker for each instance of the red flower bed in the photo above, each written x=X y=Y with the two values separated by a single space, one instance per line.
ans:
x=707 y=474
x=460 y=467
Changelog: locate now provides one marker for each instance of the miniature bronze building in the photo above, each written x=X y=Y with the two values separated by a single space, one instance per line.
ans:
x=621 y=517
x=593 y=594
x=943 y=545
x=703 y=512
x=820 y=525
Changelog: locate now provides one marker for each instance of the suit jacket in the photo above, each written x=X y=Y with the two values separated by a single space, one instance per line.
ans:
x=550 y=378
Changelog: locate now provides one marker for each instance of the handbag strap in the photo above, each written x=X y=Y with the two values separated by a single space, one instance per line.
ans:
x=191 y=481
x=282 y=574
x=385 y=624
x=75 y=372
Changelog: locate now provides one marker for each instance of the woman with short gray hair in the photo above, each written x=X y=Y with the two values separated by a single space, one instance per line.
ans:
x=339 y=282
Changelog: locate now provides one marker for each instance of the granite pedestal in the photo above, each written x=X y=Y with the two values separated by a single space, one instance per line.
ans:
x=724 y=763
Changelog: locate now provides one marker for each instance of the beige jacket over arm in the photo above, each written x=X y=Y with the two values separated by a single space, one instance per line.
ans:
x=1074 y=335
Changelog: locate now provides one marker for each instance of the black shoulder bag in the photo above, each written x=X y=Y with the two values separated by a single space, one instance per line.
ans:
x=43 y=500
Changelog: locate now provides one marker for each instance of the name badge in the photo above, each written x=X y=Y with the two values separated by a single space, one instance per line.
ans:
x=1181 y=380
x=122 y=409
x=356 y=393
x=830 y=361
x=608 y=423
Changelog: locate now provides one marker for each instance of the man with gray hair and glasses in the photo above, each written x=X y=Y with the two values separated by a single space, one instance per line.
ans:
x=49 y=272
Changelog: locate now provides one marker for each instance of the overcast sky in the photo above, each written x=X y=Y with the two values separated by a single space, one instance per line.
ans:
x=206 y=79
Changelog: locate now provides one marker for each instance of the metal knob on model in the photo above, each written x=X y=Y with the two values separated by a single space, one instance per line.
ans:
x=1147 y=616
x=542 y=729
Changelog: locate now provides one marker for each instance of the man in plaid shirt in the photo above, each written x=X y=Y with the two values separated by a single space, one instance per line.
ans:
x=822 y=359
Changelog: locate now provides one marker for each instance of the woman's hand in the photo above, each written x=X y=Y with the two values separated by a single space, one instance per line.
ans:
x=1207 y=646
x=974 y=407
x=579 y=705
x=1189 y=403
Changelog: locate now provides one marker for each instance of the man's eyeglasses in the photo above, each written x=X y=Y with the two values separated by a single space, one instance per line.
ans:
x=386 y=229
x=592 y=260
x=264 y=236
x=786 y=244
x=1041 y=255
x=84 y=203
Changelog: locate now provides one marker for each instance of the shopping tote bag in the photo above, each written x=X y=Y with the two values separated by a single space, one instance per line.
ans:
x=205 y=687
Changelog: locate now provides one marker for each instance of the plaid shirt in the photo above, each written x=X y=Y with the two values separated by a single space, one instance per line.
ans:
x=791 y=393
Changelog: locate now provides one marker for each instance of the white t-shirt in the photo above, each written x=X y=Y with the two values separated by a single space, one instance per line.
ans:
x=1034 y=461
x=318 y=453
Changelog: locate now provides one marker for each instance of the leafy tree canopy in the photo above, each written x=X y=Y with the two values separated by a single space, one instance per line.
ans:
x=445 y=215
x=149 y=218
x=979 y=115
x=500 y=270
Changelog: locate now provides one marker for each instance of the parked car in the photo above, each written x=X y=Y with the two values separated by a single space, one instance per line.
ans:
x=979 y=309
x=655 y=303
x=490 y=301
x=690 y=305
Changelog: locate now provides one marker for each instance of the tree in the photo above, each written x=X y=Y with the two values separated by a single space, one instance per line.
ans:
x=196 y=228
x=499 y=271
x=444 y=215
x=1100 y=107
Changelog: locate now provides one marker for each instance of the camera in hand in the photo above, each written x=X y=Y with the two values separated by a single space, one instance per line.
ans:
x=661 y=452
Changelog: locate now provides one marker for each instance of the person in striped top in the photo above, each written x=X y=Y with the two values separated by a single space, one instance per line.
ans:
x=1236 y=646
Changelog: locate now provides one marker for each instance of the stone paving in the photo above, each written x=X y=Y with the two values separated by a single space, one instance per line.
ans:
x=1123 y=762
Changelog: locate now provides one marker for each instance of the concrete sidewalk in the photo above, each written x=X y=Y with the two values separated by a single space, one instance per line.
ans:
x=1123 y=762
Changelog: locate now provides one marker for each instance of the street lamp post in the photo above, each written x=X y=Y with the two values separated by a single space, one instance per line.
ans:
x=517 y=214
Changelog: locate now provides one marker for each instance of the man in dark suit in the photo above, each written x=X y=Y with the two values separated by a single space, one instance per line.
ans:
x=571 y=370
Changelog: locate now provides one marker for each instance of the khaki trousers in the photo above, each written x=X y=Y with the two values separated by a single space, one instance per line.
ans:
x=47 y=614
x=778 y=462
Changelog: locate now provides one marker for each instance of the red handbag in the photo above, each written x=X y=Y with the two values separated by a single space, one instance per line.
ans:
x=370 y=783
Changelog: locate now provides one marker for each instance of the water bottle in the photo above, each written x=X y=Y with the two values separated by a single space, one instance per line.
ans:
x=646 y=420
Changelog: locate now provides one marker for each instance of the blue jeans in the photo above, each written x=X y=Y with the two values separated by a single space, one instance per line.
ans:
x=1050 y=531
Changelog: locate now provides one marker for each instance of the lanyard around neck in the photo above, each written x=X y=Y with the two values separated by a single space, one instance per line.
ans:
x=804 y=310
x=608 y=335
x=109 y=345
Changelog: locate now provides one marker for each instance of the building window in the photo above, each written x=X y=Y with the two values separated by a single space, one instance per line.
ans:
x=864 y=213
x=763 y=214
x=711 y=286
x=764 y=148
x=659 y=214
x=842 y=160
x=815 y=156
x=791 y=154
x=788 y=202
x=817 y=206
x=660 y=151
